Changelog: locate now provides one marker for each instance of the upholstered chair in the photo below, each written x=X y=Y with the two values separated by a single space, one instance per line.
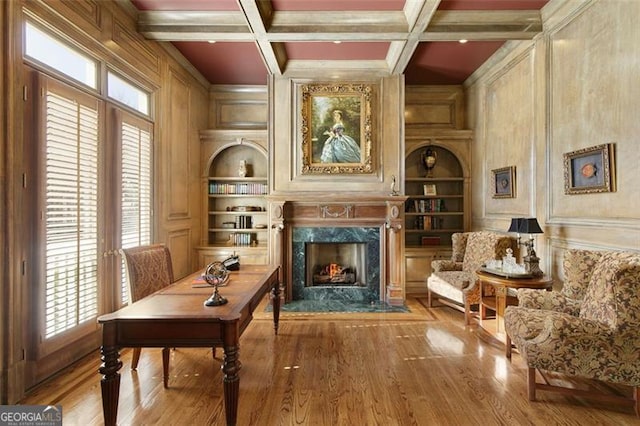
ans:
x=454 y=282
x=577 y=267
x=148 y=269
x=599 y=341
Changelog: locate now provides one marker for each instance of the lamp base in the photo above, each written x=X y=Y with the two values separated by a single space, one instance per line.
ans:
x=532 y=265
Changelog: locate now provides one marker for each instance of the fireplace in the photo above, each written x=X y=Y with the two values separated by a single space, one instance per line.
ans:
x=358 y=241
x=341 y=263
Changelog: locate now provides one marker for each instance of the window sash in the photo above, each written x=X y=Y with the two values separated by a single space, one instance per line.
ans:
x=135 y=188
x=71 y=129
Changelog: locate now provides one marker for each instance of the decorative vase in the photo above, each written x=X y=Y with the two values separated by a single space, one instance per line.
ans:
x=242 y=168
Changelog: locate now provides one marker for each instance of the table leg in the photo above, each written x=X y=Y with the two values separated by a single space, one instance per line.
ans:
x=231 y=380
x=110 y=383
x=275 y=301
x=501 y=306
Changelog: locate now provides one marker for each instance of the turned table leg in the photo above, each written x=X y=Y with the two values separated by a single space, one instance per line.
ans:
x=110 y=383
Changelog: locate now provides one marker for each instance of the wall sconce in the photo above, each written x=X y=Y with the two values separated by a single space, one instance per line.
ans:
x=524 y=225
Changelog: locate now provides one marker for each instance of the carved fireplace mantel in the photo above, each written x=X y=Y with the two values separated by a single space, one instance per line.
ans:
x=347 y=211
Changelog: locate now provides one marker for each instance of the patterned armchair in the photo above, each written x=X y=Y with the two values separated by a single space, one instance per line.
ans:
x=599 y=341
x=454 y=282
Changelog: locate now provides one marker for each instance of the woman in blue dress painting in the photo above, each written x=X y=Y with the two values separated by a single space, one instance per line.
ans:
x=339 y=148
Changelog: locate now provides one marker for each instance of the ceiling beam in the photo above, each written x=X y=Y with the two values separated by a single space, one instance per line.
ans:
x=258 y=16
x=483 y=25
x=399 y=59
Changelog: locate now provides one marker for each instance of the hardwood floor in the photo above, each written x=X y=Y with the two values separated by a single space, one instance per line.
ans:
x=419 y=368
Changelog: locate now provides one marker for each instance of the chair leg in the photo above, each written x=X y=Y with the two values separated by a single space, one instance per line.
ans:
x=135 y=358
x=213 y=352
x=508 y=347
x=636 y=397
x=531 y=384
x=429 y=299
x=165 y=366
x=467 y=313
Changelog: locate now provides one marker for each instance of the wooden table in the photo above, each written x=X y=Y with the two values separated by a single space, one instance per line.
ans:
x=502 y=299
x=176 y=317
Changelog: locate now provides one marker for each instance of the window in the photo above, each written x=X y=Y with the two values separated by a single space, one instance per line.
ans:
x=59 y=56
x=71 y=207
x=126 y=93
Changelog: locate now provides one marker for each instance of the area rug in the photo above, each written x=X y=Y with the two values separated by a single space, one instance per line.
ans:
x=338 y=306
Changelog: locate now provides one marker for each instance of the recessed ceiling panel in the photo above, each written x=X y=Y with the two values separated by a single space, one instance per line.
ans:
x=226 y=62
x=337 y=5
x=218 y=5
x=491 y=4
x=332 y=51
x=448 y=62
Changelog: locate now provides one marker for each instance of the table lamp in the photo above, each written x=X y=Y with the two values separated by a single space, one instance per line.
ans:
x=529 y=226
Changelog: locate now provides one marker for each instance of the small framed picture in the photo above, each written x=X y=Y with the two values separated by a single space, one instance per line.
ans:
x=504 y=182
x=430 y=189
x=590 y=170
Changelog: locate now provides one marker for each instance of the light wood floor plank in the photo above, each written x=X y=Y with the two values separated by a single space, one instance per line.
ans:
x=419 y=368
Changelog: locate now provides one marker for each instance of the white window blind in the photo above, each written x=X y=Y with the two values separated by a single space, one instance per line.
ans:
x=135 y=189
x=71 y=219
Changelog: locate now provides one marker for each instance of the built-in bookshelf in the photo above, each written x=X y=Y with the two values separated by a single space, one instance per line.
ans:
x=236 y=206
x=435 y=207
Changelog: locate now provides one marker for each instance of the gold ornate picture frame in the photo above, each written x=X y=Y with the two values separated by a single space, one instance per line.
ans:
x=503 y=182
x=590 y=170
x=337 y=128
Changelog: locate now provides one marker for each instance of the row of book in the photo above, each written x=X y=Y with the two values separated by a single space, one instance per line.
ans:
x=428 y=205
x=242 y=239
x=428 y=222
x=238 y=188
x=243 y=222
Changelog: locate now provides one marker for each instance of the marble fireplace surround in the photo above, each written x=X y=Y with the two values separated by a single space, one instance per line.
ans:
x=376 y=220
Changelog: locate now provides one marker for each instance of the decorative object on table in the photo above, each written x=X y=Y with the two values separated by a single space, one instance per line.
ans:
x=215 y=274
x=523 y=225
x=232 y=263
x=590 y=170
x=242 y=168
x=503 y=182
x=429 y=159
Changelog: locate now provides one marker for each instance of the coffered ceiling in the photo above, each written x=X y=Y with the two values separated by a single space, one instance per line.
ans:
x=243 y=41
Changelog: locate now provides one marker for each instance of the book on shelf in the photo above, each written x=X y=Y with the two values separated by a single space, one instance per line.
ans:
x=237 y=188
x=430 y=241
x=243 y=222
x=428 y=223
x=429 y=205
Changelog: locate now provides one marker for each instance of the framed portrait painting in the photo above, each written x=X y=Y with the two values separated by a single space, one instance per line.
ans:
x=590 y=170
x=503 y=182
x=336 y=128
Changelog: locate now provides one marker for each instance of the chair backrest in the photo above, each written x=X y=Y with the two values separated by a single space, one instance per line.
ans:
x=148 y=269
x=458 y=245
x=613 y=295
x=483 y=246
x=578 y=266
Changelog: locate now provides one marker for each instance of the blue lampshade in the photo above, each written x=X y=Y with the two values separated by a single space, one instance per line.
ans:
x=529 y=226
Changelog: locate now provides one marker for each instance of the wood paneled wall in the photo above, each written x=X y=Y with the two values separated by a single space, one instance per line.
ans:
x=573 y=87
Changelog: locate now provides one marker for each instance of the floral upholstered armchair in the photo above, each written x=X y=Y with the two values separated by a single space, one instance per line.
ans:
x=600 y=340
x=454 y=282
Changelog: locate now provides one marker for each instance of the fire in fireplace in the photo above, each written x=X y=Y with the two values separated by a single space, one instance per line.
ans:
x=335 y=264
